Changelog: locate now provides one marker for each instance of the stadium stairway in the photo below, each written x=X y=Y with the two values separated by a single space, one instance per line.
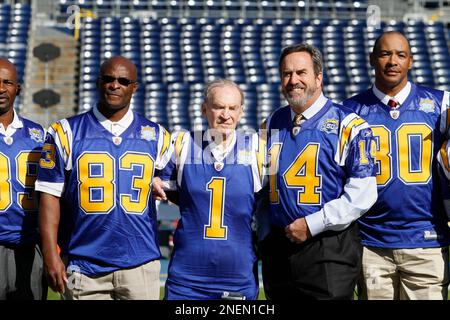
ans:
x=61 y=76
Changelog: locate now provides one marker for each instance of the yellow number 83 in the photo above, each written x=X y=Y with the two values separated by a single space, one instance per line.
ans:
x=96 y=182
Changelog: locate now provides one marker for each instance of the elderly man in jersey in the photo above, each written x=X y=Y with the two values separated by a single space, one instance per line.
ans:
x=405 y=234
x=101 y=164
x=21 y=264
x=321 y=179
x=216 y=173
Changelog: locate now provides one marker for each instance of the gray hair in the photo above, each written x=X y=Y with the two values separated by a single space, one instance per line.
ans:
x=220 y=83
x=315 y=54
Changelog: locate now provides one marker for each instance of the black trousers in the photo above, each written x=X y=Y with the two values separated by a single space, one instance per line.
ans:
x=326 y=267
x=22 y=273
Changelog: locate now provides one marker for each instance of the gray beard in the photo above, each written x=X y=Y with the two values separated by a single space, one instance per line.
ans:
x=299 y=102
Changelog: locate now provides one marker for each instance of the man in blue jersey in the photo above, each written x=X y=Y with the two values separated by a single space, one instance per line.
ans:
x=321 y=180
x=216 y=173
x=21 y=142
x=101 y=164
x=405 y=234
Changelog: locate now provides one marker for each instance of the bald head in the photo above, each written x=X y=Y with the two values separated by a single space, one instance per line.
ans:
x=116 y=85
x=119 y=61
x=390 y=34
x=9 y=88
x=8 y=65
x=391 y=59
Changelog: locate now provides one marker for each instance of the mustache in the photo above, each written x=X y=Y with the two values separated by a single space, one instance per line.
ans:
x=391 y=68
x=295 y=86
x=112 y=93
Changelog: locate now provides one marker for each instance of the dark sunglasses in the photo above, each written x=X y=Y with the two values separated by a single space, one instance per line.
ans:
x=121 y=80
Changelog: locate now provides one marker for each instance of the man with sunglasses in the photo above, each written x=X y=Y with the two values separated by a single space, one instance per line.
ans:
x=101 y=164
x=21 y=142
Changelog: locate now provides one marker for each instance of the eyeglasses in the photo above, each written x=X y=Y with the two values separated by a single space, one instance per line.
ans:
x=121 y=80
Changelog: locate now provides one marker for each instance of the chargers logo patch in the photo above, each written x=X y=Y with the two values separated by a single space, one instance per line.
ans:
x=36 y=134
x=148 y=133
x=426 y=105
x=330 y=126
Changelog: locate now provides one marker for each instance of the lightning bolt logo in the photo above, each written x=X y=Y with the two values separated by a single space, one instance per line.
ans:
x=166 y=142
x=63 y=138
x=347 y=130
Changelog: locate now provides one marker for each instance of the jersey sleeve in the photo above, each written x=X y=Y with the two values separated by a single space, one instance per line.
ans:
x=163 y=148
x=55 y=159
x=360 y=190
x=445 y=114
x=259 y=165
x=356 y=141
x=170 y=173
x=443 y=160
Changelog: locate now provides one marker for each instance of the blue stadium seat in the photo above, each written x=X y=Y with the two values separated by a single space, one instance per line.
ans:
x=189 y=51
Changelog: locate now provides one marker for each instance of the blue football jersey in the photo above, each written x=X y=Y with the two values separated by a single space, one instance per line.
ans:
x=19 y=158
x=107 y=185
x=409 y=211
x=213 y=246
x=309 y=169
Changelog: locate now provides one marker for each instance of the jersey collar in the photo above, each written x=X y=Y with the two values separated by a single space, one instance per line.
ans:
x=13 y=126
x=116 y=128
x=313 y=109
x=218 y=151
x=399 y=97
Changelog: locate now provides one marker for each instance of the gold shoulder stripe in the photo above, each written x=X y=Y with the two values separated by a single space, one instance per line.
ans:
x=179 y=145
x=166 y=142
x=347 y=130
x=63 y=138
x=261 y=155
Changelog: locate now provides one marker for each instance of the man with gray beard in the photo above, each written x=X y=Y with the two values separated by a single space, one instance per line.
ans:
x=321 y=179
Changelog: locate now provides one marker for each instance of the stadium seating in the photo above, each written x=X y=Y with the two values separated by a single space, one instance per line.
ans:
x=14 y=26
x=176 y=56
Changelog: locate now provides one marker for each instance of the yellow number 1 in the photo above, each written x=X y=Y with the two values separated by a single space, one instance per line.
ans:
x=215 y=229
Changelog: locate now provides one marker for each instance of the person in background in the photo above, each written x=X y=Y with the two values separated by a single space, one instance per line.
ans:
x=321 y=179
x=101 y=164
x=21 y=140
x=405 y=234
x=216 y=174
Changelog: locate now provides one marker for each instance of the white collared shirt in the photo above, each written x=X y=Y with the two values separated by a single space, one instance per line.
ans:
x=313 y=109
x=116 y=128
x=399 y=97
x=218 y=151
x=13 y=126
